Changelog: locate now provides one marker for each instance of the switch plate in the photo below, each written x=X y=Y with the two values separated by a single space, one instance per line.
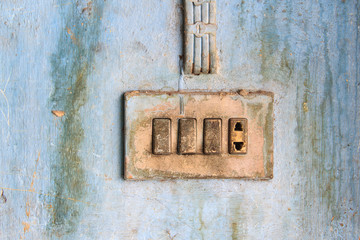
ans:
x=201 y=157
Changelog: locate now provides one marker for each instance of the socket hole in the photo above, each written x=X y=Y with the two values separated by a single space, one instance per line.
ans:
x=238 y=126
x=238 y=145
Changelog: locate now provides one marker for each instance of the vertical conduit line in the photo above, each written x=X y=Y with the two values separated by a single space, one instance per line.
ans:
x=197 y=53
x=189 y=38
x=180 y=88
x=212 y=20
x=200 y=37
x=205 y=40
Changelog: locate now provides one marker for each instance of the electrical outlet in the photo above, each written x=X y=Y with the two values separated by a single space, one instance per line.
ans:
x=237 y=136
x=198 y=135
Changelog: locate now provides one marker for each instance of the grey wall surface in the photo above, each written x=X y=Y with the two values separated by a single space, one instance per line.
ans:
x=60 y=177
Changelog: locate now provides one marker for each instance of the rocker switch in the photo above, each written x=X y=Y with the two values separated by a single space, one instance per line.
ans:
x=187 y=136
x=161 y=136
x=212 y=136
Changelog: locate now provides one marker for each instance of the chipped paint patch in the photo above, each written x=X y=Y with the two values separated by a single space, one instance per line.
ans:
x=26 y=226
x=58 y=113
x=3 y=197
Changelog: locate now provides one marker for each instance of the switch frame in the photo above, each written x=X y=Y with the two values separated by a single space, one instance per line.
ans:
x=142 y=106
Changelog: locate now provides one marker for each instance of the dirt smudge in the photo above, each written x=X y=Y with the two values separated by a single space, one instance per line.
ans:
x=71 y=65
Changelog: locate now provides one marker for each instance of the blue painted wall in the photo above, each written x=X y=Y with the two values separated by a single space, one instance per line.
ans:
x=60 y=177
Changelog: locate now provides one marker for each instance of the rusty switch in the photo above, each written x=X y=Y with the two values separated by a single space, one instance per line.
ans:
x=237 y=136
x=161 y=136
x=187 y=136
x=212 y=136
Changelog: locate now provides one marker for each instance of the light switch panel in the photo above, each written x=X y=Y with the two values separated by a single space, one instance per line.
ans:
x=198 y=135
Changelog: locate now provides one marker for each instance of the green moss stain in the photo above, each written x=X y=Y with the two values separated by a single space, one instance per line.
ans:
x=327 y=143
x=324 y=126
x=241 y=16
x=276 y=63
x=315 y=140
x=269 y=41
x=71 y=66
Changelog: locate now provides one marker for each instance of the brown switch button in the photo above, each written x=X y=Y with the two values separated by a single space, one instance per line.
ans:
x=187 y=136
x=212 y=136
x=237 y=136
x=161 y=136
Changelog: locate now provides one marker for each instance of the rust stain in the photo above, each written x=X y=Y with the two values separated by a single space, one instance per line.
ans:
x=3 y=197
x=305 y=107
x=34 y=174
x=32 y=182
x=49 y=206
x=27 y=208
x=48 y=195
x=72 y=35
x=26 y=226
x=58 y=113
x=235 y=231
x=170 y=236
x=88 y=8
x=31 y=189
x=107 y=178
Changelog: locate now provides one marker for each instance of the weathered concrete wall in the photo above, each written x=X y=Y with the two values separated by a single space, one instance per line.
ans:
x=60 y=177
